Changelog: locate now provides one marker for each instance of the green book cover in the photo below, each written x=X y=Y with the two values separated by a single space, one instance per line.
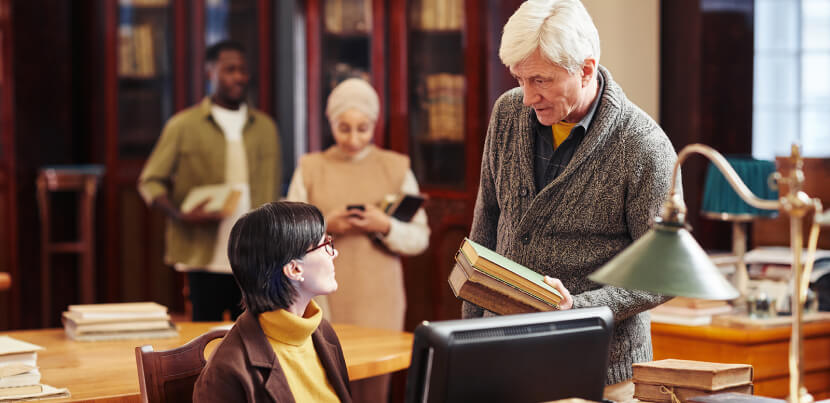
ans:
x=529 y=293
x=534 y=277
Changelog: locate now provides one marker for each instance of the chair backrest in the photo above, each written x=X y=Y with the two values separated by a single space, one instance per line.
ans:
x=169 y=376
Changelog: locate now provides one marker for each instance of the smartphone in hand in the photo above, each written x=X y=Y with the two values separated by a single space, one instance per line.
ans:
x=353 y=207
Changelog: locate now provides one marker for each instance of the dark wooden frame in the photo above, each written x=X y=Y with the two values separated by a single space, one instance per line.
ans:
x=706 y=70
x=314 y=32
x=264 y=48
x=8 y=179
x=122 y=174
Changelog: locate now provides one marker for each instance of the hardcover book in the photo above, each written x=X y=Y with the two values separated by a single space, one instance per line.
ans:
x=402 y=207
x=14 y=351
x=663 y=394
x=509 y=272
x=501 y=288
x=709 y=376
x=118 y=311
x=734 y=398
x=221 y=198
x=17 y=391
x=499 y=302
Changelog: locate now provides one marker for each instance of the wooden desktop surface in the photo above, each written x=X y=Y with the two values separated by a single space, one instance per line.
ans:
x=766 y=349
x=106 y=371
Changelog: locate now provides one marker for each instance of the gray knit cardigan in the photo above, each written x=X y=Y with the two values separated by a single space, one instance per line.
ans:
x=607 y=196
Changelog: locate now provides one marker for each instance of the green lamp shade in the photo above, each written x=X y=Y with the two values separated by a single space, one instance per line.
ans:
x=667 y=260
x=720 y=198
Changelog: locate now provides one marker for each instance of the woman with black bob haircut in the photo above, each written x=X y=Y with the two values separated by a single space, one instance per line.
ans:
x=280 y=349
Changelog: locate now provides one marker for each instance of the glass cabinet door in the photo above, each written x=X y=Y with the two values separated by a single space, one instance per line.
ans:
x=345 y=47
x=145 y=81
x=235 y=20
x=436 y=88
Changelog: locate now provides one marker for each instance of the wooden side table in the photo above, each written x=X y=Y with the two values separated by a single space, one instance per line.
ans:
x=83 y=179
x=766 y=349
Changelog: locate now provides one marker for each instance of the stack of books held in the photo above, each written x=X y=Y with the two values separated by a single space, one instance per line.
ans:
x=19 y=375
x=664 y=380
x=131 y=320
x=689 y=311
x=498 y=284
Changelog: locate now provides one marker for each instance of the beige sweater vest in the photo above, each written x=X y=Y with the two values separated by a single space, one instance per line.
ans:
x=370 y=278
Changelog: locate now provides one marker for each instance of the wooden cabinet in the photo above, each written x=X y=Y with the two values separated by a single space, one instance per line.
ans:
x=8 y=187
x=767 y=350
x=434 y=64
x=149 y=64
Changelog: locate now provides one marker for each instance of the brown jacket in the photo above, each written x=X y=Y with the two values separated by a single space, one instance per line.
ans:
x=244 y=367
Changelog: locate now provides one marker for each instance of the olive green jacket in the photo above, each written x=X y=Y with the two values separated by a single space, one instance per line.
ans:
x=191 y=152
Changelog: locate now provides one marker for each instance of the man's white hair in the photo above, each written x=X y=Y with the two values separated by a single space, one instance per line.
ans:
x=562 y=30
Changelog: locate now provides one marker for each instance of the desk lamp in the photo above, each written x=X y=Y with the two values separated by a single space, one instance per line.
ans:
x=720 y=202
x=667 y=260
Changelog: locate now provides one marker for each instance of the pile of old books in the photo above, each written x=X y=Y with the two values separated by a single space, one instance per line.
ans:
x=671 y=380
x=131 y=320
x=496 y=283
x=19 y=375
x=689 y=311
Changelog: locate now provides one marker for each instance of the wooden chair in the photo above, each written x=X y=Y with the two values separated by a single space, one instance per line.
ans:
x=84 y=180
x=169 y=376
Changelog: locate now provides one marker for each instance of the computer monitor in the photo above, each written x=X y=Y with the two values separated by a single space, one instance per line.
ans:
x=515 y=358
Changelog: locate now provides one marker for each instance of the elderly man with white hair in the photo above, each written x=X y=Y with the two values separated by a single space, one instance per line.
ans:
x=572 y=172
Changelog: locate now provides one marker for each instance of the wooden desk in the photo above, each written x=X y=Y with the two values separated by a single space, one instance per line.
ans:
x=106 y=371
x=765 y=349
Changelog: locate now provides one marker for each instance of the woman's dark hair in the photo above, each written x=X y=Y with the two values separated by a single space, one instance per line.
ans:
x=265 y=240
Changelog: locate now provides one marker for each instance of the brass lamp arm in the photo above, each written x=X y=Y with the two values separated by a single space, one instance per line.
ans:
x=728 y=172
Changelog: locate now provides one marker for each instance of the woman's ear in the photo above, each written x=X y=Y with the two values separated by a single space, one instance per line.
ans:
x=293 y=271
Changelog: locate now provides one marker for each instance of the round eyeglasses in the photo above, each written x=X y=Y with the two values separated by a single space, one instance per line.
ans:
x=328 y=244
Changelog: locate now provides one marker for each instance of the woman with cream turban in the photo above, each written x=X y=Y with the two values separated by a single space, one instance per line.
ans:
x=355 y=172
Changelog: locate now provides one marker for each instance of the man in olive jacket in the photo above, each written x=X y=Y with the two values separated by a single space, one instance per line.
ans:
x=219 y=141
x=572 y=173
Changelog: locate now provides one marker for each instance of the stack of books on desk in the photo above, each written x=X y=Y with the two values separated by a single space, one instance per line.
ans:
x=133 y=320
x=774 y=263
x=19 y=375
x=498 y=284
x=666 y=381
x=689 y=311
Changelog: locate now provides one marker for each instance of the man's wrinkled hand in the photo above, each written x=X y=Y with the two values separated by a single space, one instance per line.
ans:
x=567 y=301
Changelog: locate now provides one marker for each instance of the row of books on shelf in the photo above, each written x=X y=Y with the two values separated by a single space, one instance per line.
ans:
x=347 y=16
x=131 y=320
x=445 y=107
x=136 y=57
x=667 y=381
x=438 y=15
x=19 y=374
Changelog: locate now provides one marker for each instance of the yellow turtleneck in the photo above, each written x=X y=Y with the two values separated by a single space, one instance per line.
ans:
x=561 y=131
x=290 y=337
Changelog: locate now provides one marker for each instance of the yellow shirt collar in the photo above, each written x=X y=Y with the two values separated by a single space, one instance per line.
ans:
x=288 y=328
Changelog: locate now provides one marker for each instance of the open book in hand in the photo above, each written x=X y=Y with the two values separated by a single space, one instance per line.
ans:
x=221 y=198
x=402 y=207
